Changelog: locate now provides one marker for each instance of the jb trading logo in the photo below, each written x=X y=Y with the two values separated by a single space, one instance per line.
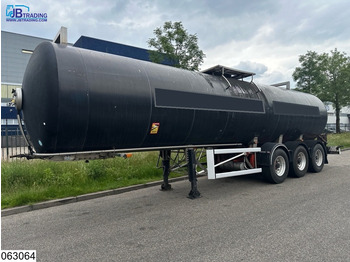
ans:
x=20 y=13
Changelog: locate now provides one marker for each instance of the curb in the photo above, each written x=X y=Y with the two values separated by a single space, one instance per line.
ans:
x=69 y=200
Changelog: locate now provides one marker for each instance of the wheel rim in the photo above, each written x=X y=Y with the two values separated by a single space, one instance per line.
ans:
x=280 y=166
x=301 y=161
x=318 y=157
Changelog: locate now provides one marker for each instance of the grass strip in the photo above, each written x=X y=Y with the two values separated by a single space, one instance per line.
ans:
x=342 y=139
x=28 y=182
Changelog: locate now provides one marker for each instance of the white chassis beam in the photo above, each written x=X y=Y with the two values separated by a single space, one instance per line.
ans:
x=240 y=151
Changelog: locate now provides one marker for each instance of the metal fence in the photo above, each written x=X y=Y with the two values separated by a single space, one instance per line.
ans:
x=331 y=128
x=12 y=142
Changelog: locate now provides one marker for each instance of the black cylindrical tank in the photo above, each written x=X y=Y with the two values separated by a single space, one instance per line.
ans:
x=80 y=100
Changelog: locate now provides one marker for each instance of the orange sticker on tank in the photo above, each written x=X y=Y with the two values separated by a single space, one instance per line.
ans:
x=154 y=128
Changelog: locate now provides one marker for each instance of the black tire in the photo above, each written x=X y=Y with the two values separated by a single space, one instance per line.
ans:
x=278 y=171
x=300 y=162
x=317 y=158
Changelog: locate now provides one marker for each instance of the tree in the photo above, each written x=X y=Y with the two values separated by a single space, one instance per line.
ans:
x=327 y=76
x=174 y=43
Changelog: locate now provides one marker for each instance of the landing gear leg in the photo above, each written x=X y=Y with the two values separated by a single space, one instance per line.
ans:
x=165 y=155
x=192 y=174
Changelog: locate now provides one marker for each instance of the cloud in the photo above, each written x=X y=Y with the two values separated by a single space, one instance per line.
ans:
x=270 y=78
x=257 y=68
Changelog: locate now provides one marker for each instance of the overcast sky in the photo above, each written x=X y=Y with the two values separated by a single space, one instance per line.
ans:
x=263 y=36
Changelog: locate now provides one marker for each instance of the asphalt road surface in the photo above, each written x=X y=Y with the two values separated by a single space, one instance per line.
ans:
x=236 y=219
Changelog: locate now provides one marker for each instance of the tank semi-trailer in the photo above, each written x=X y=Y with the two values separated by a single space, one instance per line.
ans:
x=81 y=104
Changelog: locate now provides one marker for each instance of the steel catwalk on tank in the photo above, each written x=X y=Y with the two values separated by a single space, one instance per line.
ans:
x=81 y=100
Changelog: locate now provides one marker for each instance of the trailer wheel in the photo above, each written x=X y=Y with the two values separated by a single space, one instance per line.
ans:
x=300 y=162
x=317 y=159
x=278 y=171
